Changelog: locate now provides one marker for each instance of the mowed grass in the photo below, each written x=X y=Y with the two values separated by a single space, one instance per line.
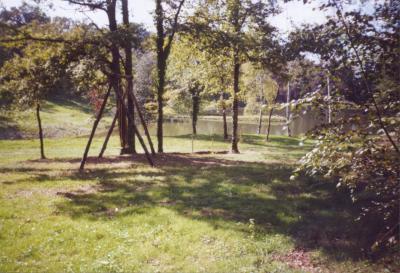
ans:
x=60 y=118
x=191 y=213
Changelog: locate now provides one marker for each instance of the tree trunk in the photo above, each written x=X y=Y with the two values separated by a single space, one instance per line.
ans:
x=96 y=123
x=160 y=120
x=224 y=116
x=269 y=122
x=109 y=133
x=130 y=141
x=195 y=110
x=235 y=105
x=260 y=117
x=161 y=66
x=225 y=124
x=122 y=125
x=39 y=120
x=115 y=77
x=141 y=141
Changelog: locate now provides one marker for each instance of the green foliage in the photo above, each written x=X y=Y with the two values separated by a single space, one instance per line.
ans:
x=187 y=75
x=360 y=152
x=259 y=88
x=32 y=76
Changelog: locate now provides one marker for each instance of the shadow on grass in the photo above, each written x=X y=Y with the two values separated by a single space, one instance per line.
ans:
x=74 y=103
x=221 y=192
x=256 y=140
x=9 y=129
x=218 y=191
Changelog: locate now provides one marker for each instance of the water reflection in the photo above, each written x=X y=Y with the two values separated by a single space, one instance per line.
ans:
x=298 y=126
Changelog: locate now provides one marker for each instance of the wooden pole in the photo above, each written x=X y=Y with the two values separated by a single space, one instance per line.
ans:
x=96 y=123
x=288 y=110
x=260 y=116
x=109 y=133
x=329 y=101
x=270 y=114
x=261 y=82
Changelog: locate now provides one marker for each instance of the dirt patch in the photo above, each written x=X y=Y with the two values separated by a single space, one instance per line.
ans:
x=299 y=259
x=29 y=193
x=84 y=190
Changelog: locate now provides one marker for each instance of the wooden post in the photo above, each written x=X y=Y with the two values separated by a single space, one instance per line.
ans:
x=329 y=101
x=288 y=110
x=96 y=123
x=261 y=82
x=270 y=114
x=260 y=116
x=104 y=147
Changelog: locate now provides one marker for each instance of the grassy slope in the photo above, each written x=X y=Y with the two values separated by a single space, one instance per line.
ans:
x=212 y=213
x=59 y=118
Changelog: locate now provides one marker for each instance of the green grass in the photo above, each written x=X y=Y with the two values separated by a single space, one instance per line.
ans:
x=60 y=118
x=190 y=213
x=247 y=119
x=211 y=212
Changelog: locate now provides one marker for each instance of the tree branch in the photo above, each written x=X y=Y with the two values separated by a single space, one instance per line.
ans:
x=174 y=28
x=99 y=5
x=364 y=76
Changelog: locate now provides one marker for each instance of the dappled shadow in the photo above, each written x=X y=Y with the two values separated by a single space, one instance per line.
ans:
x=73 y=103
x=212 y=137
x=256 y=140
x=217 y=190
x=9 y=129
x=221 y=192
x=284 y=141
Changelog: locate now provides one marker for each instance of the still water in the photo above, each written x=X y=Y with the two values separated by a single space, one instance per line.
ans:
x=298 y=126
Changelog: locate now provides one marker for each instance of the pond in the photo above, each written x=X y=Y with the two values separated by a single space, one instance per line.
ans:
x=298 y=126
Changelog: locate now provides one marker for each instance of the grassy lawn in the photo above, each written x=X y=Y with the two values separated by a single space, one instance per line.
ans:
x=60 y=117
x=193 y=212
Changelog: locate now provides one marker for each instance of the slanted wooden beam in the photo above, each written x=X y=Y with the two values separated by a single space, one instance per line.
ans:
x=96 y=123
x=109 y=133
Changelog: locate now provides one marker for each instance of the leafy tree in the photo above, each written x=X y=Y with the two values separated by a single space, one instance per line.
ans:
x=261 y=89
x=358 y=50
x=166 y=19
x=235 y=27
x=188 y=75
x=31 y=77
x=18 y=17
x=219 y=81
x=146 y=83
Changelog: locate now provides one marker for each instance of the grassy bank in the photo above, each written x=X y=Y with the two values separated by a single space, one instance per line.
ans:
x=192 y=212
x=60 y=118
